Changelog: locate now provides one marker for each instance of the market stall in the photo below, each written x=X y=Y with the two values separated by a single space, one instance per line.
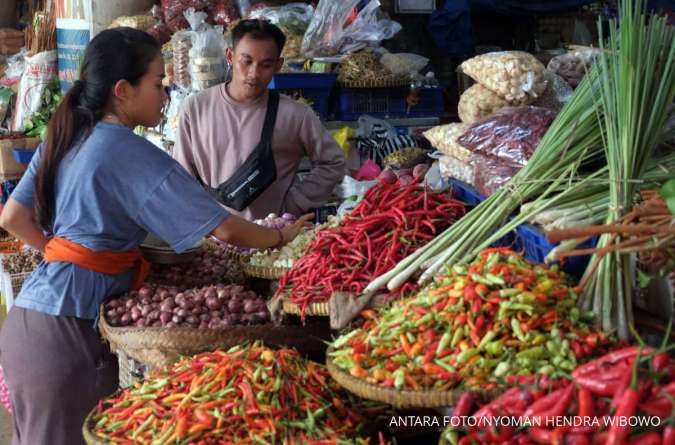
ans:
x=501 y=266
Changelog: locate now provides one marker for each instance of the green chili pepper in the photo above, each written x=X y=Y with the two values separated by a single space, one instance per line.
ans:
x=445 y=340
x=466 y=355
x=456 y=337
x=536 y=352
x=502 y=369
x=515 y=326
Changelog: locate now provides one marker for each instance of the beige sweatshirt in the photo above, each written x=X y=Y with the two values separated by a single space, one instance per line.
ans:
x=216 y=134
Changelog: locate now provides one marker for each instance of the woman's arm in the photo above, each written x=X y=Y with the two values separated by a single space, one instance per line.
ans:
x=239 y=232
x=20 y=222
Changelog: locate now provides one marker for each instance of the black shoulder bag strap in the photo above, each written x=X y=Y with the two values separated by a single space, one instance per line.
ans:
x=259 y=171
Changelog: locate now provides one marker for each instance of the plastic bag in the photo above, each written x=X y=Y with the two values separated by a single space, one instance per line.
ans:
x=371 y=127
x=224 y=12
x=451 y=167
x=368 y=171
x=434 y=179
x=557 y=92
x=351 y=187
x=444 y=138
x=491 y=173
x=573 y=65
x=16 y=65
x=341 y=27
x=477 y=103
x=295 y=17
x=40 y=71
x=207 y=58
x=342 y=137
x=514 y=75
x=177 y=98
x=405 y=158
x=512 y=134
x=404 y=63
x=174 y=12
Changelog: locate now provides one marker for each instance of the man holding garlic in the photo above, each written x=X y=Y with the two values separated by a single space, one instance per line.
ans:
x=244 y=142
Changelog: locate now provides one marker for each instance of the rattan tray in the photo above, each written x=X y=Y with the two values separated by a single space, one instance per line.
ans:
x=267 y=273
x=156 y=346
x=396 y=398
x=384 y=83
x=91 y=438
x=313 y=310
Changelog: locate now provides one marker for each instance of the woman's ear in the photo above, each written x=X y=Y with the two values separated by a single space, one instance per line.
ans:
x=122 y=90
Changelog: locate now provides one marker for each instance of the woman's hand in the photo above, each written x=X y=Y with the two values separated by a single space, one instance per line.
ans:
x=289 y=233
x=20 y=222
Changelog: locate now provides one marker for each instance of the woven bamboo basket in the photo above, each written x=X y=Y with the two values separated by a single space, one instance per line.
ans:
x=313 y=310
x=381 y=83
x=156 y=346
x=91 y=438
x=396 y=398
x=266 y=273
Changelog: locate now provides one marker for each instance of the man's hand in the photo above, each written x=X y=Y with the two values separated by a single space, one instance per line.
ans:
x=11 y=41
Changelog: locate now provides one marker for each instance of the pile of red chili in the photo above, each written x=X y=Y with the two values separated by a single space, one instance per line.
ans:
x=615 y=399
x=390 y=223
x=247 y=395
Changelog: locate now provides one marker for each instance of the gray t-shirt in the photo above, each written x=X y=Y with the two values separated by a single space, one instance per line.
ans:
x=110 y=192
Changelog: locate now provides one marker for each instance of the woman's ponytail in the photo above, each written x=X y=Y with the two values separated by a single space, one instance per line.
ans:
x=113 y=55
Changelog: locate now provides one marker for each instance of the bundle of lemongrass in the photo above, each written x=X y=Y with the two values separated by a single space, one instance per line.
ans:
x=637 y=86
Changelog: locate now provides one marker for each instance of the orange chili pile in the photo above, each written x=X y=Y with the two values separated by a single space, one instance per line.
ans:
x=247 y=395
x=389 y=224
x=497 y=320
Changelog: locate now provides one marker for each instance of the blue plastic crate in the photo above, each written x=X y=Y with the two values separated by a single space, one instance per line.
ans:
x=385 y=103
x=319 y=99
x=285 y=81
x=465 y=192
x=22 y=155
x=535 y=248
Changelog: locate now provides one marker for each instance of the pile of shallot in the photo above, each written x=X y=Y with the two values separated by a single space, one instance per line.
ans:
x=210 y=307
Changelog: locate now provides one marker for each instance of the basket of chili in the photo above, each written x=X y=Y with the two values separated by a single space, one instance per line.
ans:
x=396 y=398
x=159 y=346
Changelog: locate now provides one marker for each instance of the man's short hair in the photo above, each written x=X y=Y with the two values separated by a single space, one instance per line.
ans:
x=258 y=30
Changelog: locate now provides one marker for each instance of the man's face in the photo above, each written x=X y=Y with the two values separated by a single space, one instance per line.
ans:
x=254 y=63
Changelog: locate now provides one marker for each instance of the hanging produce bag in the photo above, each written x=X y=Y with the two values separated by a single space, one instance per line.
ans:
x=342 y=27
x=40 y=70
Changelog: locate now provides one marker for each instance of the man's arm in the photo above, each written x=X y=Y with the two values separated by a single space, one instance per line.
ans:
x=328 y=167
x=182 y=148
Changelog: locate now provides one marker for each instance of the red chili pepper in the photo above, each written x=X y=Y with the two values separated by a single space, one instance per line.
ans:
x=608 y=359
x=669 y=435
x=651 y=438
x=626 y=409
x=540 y=435
x=464 y=404
x=577 y=439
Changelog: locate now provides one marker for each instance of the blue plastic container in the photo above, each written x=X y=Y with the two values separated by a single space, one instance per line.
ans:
x=385 y=103
x=316 y=88
x=536 y=247
x=22 y=155
x=528 y=238
x=287 y=81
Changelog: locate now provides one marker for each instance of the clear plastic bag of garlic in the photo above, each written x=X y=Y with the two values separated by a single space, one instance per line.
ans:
x=444 y=138
x=514 y=75
x=478 y=102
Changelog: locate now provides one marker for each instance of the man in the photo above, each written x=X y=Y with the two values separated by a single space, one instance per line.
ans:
x=220 y=127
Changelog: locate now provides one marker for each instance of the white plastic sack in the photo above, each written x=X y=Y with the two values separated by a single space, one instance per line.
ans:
x=332 y=31
x=40 y=70
x=350 y=187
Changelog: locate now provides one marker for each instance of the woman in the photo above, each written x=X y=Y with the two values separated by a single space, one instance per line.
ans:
x=97 y=189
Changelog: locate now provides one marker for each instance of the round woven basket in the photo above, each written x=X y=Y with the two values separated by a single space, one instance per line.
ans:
x=267 y=273
x=90 y=437
x=396 y=398
x=313 y=310
x=156 y=346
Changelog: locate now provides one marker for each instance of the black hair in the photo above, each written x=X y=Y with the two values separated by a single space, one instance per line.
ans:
x=113 y=55
x=258 y=30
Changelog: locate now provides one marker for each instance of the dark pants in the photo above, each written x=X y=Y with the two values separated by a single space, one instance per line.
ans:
x=57 y=368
